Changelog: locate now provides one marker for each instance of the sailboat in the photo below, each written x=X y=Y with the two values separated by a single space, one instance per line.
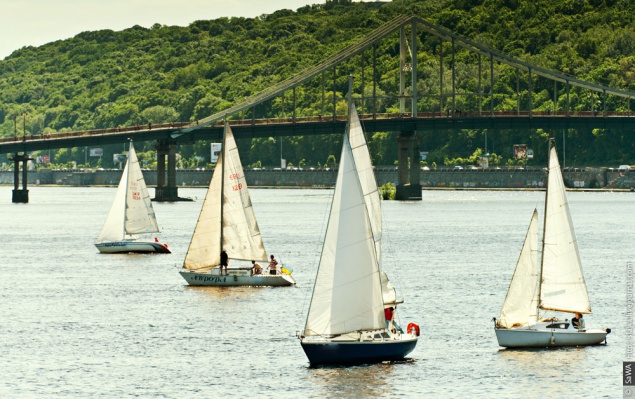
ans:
x=130 y=214
x=553 y=283
x=227 y=222
x=346 y=322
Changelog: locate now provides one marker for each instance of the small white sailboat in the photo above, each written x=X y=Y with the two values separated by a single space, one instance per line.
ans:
x=131 y=213
x=554 y=284
x=227 y=222
x=346 y=322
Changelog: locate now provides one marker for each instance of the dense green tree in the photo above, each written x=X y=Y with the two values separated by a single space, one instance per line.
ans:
x=105 y=79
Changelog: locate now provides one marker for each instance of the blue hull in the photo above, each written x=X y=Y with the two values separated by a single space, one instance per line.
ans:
x=356 y=352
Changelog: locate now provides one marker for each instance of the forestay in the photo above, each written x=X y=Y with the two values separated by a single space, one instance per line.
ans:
x=521 y=303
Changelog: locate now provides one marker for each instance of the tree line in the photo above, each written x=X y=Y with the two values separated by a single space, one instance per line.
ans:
x=105 y=79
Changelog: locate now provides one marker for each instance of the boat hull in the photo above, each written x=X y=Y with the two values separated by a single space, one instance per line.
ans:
x=235 y=278
x=531 y=338
x=118 y=247
x=356 y=352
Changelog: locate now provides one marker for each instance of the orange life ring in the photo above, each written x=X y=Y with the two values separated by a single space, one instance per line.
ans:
x=413 y=327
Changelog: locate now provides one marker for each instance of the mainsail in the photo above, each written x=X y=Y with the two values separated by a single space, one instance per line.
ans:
x=388 y=292
x=521 y=303
x=366 y=175
x=131 y=211
x=562 y=284
x=347 y=294
x=233 y=220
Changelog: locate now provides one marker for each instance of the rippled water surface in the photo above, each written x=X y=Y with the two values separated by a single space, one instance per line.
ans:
x=78 y=324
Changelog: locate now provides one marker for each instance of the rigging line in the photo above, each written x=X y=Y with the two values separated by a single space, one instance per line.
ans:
x=318 y=254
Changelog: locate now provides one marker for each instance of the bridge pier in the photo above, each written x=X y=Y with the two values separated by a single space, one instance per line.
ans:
x=20 y=196
x=408 y=170
x=169 y=192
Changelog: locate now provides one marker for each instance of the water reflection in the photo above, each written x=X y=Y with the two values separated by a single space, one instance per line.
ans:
x=364 y=381
x=225 y=294
x=552 y=366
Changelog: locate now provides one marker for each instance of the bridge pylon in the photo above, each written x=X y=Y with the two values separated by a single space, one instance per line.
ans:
x=20 y=196
x=167 y=192
x=408 y=169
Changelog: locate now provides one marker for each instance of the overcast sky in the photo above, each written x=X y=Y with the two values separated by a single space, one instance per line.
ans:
x=36 y=22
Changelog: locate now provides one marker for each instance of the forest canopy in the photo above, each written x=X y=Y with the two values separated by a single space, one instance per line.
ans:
x=105 y=79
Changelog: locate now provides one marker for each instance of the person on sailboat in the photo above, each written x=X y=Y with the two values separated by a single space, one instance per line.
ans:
x=389 y=314
x=273 y=266
x=578 y=321
x=224 y=261
x=256 y=269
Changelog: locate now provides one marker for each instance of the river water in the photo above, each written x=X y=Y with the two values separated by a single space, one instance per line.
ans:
x=78 y=324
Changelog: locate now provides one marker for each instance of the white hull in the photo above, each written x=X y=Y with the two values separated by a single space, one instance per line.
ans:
x=125 y=246
x=235 y=278
x=540 y=335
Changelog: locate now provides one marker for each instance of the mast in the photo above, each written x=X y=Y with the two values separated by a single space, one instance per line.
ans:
x=222 y=183
x=544 y=227
x=125 y=196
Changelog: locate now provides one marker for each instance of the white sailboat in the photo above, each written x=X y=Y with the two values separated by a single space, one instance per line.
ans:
x=554 y=284
x=130 y=214
x=346 y=323
x=227 y=222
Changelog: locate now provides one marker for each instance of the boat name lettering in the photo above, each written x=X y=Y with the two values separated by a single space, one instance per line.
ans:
x=114 y=244
x=214 y=279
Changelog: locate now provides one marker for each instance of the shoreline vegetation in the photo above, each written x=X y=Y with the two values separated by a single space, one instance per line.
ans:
x=140 y=76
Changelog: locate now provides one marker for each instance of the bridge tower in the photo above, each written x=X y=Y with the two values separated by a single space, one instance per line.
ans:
x=169 y=192
x=408 y=170
x=20 y=196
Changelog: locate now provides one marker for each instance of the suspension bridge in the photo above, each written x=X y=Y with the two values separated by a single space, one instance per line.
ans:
x=448 y=106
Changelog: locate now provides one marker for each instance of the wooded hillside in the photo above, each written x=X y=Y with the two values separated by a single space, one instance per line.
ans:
x=168 y=73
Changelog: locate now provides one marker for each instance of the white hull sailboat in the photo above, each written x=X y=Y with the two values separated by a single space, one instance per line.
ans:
x=130 y=214
x=227 y=222
x=556 y=283
x=346 y=323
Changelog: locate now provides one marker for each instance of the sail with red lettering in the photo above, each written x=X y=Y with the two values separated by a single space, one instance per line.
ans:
x=131 y=212
x=228 y=224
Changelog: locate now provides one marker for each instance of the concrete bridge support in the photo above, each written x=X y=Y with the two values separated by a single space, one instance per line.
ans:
x=169 y=192
x=20 y=196
x=408 y=185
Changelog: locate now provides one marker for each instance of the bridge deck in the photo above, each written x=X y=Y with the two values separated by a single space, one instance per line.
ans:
x=314 y=125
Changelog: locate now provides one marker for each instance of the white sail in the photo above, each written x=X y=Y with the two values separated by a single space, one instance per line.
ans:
x=347 y=293
x=367 y=179
x=131 y=211
x=140 y=217
x=563 y=287
x=389 y=294
x=237 y=225
x=113 y=227
x=521 y=303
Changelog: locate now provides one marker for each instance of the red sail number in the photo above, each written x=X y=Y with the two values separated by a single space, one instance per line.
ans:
x=136 y=195
x=234 y=176
x=237 y=187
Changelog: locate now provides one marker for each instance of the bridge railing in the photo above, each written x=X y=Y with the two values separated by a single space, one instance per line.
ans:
x=317 y=119
x=93 y=132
